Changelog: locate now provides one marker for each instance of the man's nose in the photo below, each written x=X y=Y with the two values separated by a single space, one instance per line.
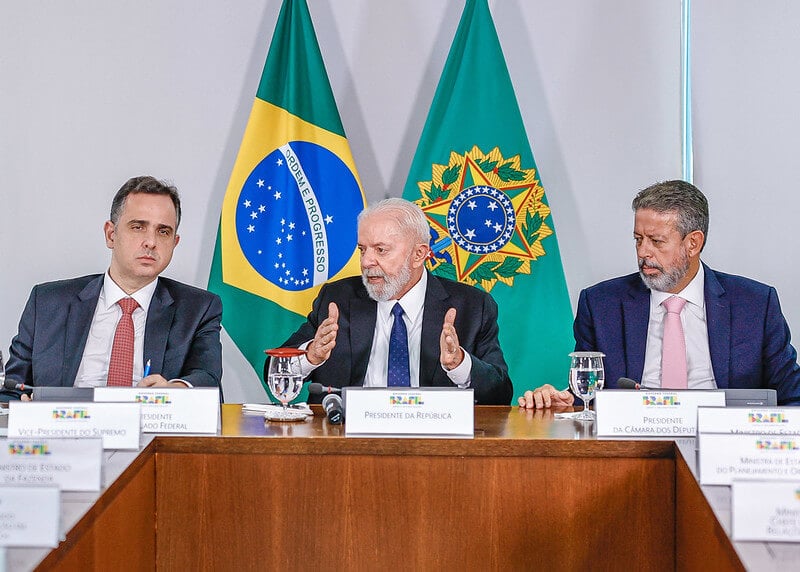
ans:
x=149 y=240
x=367 y=260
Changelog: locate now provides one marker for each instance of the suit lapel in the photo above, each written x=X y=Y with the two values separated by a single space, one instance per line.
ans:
x=635 y=320
x=156 y=331
x=79 y=321
x=363 y=314
x=718 y=322
x=432 y=320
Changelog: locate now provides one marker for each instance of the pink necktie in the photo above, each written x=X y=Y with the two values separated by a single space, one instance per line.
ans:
x=673 y=349
x=120 y=366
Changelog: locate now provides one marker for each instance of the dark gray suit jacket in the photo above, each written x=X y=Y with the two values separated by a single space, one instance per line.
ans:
x=476 y=325
x=181 y=337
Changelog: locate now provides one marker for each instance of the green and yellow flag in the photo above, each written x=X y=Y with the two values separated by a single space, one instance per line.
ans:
x=288 y=220
x=476 y=180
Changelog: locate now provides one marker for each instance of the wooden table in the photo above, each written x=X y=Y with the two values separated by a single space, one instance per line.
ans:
x=525 y=493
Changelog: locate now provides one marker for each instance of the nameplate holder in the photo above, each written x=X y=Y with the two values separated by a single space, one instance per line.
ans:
x=117 y=424
x=766 y=511
x=415 y=412
x=725 y=457
x=749 y=420
x=23 y=527
x=168 y=410
x=70 y=464
x=644 y=413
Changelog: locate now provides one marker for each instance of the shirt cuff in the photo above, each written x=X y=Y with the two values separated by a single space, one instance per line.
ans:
x=306 y=367
x=459 y=375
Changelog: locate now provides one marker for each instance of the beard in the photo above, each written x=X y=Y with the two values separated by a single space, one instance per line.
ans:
x=667 y=280
x=392 y=284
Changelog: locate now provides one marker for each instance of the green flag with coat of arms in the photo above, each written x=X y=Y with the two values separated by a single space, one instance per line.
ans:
x=475 y=178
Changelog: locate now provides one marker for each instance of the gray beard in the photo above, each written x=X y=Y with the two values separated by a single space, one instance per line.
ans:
x=666 y=281
x=391 y=286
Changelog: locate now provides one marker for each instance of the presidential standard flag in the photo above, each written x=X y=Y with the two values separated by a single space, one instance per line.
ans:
x=288 y=220
x=475 y=178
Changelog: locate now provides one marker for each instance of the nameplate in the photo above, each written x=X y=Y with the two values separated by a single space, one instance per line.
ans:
x=723 y=458
x=651 y=413
x=29 y=516
x=167 y=410
x=749 y=420
x=766 y=511
x=70 y=464
x=117 y=424
x=417 y=412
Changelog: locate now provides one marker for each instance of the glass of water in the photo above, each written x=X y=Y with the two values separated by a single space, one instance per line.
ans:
x=284 y=379
x=586 y=376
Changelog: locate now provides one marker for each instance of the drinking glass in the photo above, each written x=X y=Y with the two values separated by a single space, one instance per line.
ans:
x=284 y=379
x=586 y=375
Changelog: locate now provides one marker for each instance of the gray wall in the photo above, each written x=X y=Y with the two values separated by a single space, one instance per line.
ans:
x=93 y=92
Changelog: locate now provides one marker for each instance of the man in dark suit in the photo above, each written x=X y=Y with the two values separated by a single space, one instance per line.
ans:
x=735 y=334
x=450 y=329
x=67 y=329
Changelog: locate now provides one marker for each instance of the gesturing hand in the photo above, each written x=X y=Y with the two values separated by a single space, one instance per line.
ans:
x=450 y=353
x=324 y=340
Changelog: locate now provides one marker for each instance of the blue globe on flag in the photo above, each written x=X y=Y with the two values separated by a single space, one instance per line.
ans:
x=291 y=205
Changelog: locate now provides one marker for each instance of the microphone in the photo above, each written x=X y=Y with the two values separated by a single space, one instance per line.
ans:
x=319 y=389
x=628 y=383
x=15 y=386
x=334 y=408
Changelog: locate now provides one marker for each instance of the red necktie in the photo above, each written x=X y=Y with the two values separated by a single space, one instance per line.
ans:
x=120 y=367
x=673 y=349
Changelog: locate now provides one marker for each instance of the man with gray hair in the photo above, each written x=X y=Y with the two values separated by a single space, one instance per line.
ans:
x=397 y=325
x=677 y=324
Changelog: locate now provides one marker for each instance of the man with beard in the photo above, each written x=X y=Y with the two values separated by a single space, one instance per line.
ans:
x=128 y=326
x=732 y=331
x=447 y=330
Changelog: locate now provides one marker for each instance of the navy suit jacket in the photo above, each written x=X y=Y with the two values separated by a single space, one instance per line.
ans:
x=476 y=325
x=181 y=337
x=748 y=337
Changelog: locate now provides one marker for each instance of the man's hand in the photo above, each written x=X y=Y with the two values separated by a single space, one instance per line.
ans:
x=450 y=353
x=324 y=340
x=546 y=396
x=156 y=380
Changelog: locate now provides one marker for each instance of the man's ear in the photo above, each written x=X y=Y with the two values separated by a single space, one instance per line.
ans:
x=421 y=252
x=108 y=230
x=695 y=241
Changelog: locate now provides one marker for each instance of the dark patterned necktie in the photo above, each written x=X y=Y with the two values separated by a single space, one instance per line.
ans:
x=398 y=375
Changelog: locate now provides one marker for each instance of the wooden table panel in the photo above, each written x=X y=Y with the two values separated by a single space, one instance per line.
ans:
x=412 y=512
x=118 y=533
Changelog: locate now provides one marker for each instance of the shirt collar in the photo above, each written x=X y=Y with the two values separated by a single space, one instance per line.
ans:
x=411 y=302
x=111 y=293
x=694 y=293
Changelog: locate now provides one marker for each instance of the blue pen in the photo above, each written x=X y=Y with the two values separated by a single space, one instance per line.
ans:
x=146 y=369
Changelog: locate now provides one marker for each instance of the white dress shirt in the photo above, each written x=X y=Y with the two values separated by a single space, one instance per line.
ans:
x=413 y=304
x=93 y=370
x=695 y=330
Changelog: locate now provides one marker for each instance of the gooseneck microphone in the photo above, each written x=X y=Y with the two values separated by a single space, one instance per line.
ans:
x=16 y=386
x=319 y=389
x=628 y=383
x=334 y=408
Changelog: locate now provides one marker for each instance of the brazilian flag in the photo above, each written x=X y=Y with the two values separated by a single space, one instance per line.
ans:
x=288 y=220
x=475 y=178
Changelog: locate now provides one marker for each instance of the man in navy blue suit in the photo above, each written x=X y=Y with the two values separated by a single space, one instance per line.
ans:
x=735 y=333
x=67 y=329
